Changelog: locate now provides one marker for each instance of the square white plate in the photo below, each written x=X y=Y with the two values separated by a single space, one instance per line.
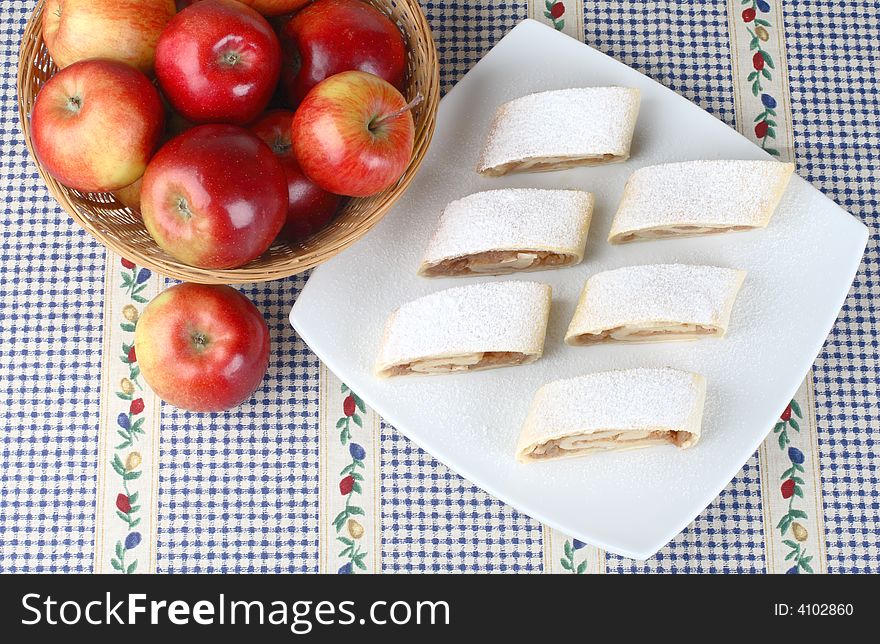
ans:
x=798 y=273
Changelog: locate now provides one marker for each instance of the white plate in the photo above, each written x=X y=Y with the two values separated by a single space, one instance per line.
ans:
x=799 y=271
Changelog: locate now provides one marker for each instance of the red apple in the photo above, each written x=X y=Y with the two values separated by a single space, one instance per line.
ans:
x=214 y=197
x=309 y=208
x=123 y=30
x=353 y=134
x=95 y=125
x=275 y=7
x=130 y=195
x=202 y=347
x=332 y=36
x=218 y=62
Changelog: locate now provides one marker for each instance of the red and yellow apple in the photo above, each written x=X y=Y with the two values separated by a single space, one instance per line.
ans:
x=353 y=134
x=275 y=7
x=333 y=36
x=218 y=62
x=203 y=348
x=214 y=197
x=95 y=125
x=309 y=208
x=130 y=195
x=123 y=30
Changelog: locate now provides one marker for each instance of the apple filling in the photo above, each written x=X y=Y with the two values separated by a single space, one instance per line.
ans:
x=606 y=441
x=497 y=262
x=465 y=362
x=675 y=231
x=546 y=164
x=660 y=332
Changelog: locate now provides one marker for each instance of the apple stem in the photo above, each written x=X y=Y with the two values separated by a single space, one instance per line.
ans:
x=406 y=108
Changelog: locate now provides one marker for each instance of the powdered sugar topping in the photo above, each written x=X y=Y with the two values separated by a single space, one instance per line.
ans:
x=513 y=219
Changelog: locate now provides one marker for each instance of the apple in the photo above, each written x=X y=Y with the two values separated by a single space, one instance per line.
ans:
x=125 y=31
x=353 y=134
x=214 y=197
x=275 y=7
x=218 y=62
x=202 y=347
x=130 y=195
x=333 y=36
x=95 y=124
x=309 y=208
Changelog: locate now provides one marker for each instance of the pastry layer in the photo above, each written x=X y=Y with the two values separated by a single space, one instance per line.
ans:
x=699 y=198
x=467 y=328
x=613 y=410
x=655 y=303
x=561 y=129
x=503 y=231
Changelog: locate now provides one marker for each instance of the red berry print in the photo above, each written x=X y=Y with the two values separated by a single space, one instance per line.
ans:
x=127 y=263
x=132 y=356
x=788 y=489
x=787 y=413
x=123 y=504
x=748 y=15
x=557 y=10
x=758 y=61
x=137 y=406
x=346 y=485
x=761 y=129
x=348 y=406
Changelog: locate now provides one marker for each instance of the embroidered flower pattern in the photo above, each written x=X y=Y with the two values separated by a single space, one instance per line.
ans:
x=348 y=529
x=568 y=561
x=126 y=462
x=554 y=11
x=791 y=489
x=762 y=64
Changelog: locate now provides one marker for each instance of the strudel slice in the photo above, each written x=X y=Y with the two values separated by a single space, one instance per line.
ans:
x=655 y=303
x=613 y=410
x=515 y=229
x=561 y=129
x=467 y=328
x=699 y=198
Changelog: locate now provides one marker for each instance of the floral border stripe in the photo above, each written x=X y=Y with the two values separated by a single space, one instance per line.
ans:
x=128 y=448
x=791 y=484
x=563 y=554
x=566 y=16
x=349 y=512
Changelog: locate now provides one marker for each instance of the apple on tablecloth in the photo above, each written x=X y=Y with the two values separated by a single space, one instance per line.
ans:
x=202 y=348
x=125 y=31
x=353 y=134
x=218 y=61
x=214 y=197
x=95 y=124
x=309 y=207
x=332 y=36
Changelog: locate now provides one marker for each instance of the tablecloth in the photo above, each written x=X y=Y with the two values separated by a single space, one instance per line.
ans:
x=252 y=490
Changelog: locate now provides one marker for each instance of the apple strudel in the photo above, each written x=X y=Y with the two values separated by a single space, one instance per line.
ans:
x=497 y=232
x=466 y=328
x=699 y=198
x=655 y=303
x=561 y=129
x=613 y=410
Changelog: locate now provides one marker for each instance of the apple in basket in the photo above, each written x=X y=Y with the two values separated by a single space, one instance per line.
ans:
x=202 y=347
x=309 y=208
x=353 y=134
x=275 y=7
x=125 y=31
x=218 y=62
x=333 y=36
x=214 y=197
x=95 y=124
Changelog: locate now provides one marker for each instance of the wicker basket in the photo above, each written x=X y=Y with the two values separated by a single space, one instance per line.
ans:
x=122 y=230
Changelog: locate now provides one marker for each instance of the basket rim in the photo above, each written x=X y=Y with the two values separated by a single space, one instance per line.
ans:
x=31 y=39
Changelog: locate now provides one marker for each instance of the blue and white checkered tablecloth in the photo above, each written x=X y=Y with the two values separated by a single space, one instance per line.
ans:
x=238 y=492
